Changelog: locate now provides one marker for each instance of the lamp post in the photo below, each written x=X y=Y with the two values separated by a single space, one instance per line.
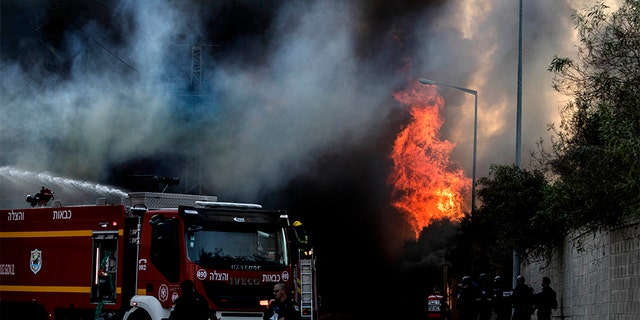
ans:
x=475 y=133
x=516 y=257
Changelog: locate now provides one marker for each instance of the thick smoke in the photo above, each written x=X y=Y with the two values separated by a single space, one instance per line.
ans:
x=288 y=101
x=112 y=87
x=89 y=87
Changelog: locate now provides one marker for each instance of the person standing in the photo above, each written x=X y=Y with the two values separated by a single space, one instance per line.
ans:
x=437 y=306
x=522 y=299
x=466 y=300
x=501 y=299
x=484 y=298
x=191 y=305
x=545 y=300
x=282 y=307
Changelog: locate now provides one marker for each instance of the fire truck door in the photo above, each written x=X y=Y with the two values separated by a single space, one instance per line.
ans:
x=104 y=267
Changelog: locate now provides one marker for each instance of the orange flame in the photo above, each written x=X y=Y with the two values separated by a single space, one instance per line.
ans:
x=427 y=186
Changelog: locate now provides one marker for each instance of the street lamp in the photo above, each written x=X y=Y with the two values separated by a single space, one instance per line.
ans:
x=475 y=133
x=516 y=257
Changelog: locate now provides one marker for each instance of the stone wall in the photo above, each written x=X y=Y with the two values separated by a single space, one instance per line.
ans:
x=595 y=275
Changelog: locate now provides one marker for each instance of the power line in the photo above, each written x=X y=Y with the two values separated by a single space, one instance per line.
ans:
x=109 y=51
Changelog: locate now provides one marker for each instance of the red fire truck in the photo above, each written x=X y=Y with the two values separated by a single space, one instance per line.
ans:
x=126 y=261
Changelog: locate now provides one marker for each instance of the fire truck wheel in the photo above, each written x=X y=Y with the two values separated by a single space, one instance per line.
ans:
x=139 y=315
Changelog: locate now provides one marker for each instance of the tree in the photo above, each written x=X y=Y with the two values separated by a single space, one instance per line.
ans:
x=506 y=220
x=594 y=158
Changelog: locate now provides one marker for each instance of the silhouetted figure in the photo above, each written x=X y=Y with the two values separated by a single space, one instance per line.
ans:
x=484 y=298
x=545 y=300
x=501 y=299
x=191 y=305
x=466 y=300
x=522 y=300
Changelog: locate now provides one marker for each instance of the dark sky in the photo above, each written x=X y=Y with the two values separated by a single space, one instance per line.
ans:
x=291 y=106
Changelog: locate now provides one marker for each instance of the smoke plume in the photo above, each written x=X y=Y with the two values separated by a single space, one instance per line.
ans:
x=90 y=87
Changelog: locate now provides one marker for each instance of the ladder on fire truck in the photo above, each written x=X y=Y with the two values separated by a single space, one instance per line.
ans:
x=307 y=285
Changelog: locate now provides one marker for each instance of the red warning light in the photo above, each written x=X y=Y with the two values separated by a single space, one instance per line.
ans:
x=113 y=224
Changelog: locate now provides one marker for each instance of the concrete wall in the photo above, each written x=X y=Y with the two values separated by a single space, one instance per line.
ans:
x=595 y=275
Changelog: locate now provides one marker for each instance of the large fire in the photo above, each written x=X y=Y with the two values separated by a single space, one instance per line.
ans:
x=427 y=186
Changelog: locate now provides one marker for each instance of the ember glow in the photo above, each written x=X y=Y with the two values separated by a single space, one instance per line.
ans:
x=427 y=186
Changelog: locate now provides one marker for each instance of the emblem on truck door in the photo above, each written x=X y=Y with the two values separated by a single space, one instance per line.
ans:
x=35 y=264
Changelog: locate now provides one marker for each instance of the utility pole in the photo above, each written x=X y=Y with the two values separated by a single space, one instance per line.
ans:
x=516 y=258
x=196 y=68
x=192 y=181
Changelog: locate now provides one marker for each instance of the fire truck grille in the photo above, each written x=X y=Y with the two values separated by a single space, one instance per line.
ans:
x=226 y=296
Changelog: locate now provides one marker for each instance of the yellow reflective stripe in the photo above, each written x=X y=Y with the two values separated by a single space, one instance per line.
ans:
x=50 y=289
x=50 y=234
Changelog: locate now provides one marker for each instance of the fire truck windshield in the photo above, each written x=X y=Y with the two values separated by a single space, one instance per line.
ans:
x=211 y=248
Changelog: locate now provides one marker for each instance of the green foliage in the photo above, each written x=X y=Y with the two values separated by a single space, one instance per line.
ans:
x=589 y=178
x=507 y=220
x=595 y=157
x=511 y=198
